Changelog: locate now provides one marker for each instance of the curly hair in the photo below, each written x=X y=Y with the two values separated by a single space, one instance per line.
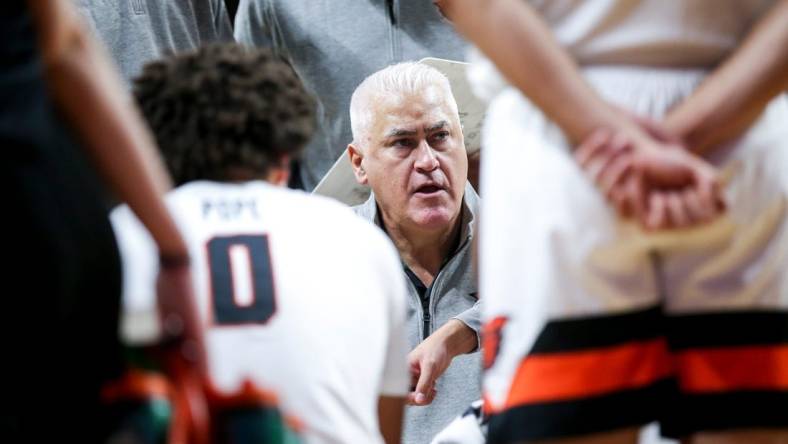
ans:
x=223 y=107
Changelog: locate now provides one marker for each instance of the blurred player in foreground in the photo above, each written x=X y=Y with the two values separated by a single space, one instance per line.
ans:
x=66 y=124
x=596 y=326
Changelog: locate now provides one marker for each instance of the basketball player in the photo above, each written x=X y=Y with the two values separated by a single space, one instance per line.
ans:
x=297 y=294
x=595 y=324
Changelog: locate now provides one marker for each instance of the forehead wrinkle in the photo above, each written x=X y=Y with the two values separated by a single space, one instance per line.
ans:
x=393 y=115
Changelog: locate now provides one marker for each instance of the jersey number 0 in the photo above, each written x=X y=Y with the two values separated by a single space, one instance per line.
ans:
x=242 y=283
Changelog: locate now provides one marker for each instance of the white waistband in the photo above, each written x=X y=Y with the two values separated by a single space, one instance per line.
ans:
x=645 y=90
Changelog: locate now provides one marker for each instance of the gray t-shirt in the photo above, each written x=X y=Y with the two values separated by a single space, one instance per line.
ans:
x=138 y=31
x=334 y=45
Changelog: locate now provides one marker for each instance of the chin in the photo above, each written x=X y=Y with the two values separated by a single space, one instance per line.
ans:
x=433 y=218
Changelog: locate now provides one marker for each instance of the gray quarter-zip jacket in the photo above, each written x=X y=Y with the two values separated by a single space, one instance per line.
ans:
x=334 y=45
x=139 y=31
x=453 y=296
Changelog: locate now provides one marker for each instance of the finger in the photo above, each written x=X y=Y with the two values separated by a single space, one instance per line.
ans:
x=424 y=385
x=614 y=173
x=636 y=197
x=698 y=213
x=417 y=398
x=415 y=371
x=719 y=202
x=709 y=188
x=618 y=198
x=604 y=158
x=431 y=396
x=598 y=140
x=656 y=213
x=678 y=216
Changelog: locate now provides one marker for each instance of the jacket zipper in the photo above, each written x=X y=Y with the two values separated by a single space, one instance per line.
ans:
x=392 y=16
x=426 y=306
x=425 y=312
x=392 y=7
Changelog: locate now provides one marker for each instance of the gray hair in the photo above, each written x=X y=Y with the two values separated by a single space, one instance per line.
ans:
x=394 y=81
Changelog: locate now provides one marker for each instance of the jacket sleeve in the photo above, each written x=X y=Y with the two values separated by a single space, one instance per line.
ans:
x=472 y=317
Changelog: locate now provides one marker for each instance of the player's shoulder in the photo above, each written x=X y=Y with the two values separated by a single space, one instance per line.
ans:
x=348 y=222
x=328 y=218
x=326 y=212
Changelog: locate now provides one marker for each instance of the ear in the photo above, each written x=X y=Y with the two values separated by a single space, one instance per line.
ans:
x=356 y=157
x=279 y=175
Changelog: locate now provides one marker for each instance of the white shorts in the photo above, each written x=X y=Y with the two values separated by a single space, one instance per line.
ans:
x=593 y=324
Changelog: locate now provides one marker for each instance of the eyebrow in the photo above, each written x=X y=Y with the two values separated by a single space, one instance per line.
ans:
x=440 y=125
x=400 y=132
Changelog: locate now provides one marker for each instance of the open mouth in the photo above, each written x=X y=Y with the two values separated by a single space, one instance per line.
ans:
x=428 y=189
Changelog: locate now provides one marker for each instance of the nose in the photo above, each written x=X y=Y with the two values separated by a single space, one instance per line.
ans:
x=426 y=160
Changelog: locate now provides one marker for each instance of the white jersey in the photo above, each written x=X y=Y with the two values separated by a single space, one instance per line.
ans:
x=667 y=33
x=672 y=33
x=584 y=310
x=298 y=295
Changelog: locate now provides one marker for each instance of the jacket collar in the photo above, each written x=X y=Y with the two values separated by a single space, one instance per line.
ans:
x=470 y=208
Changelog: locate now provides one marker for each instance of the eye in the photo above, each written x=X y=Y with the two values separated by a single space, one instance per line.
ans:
x=440 y=136
x=403 y=143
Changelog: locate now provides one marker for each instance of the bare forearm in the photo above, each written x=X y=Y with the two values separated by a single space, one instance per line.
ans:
x=517 y=40
x=731 y=98
x=89 y=93
x=458 y=337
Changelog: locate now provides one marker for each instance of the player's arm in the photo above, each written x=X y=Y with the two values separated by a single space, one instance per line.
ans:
x=524 y=49
x=90 y=94
x=87 y=90
x=395 y=379
x=731 y=98
x=390 y=412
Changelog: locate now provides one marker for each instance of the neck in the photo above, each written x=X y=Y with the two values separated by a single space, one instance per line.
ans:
x=424 y=251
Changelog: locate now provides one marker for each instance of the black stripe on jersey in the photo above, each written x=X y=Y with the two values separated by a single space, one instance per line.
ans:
x=727 y=329
x=599 y=331
x=259 y=424
x=726 y=411
x=628 y=408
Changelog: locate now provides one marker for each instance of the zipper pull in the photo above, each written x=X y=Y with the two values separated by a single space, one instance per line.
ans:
x=392 y=17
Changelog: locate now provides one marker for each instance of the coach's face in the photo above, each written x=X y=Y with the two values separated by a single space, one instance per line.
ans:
x=414 y=159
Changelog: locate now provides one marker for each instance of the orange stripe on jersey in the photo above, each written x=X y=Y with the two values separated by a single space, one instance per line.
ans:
x=295 y=423
x=733 y=368
x=248 y=395
x=136 y=384
x=578 y=374
x=488 y=407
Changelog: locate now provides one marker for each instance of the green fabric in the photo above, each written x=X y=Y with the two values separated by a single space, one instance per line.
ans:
x=255 y=425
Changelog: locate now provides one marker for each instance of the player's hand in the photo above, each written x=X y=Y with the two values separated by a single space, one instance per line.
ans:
x=183 y=354
x=658 y=182
x=178 y=313
x=432 y=357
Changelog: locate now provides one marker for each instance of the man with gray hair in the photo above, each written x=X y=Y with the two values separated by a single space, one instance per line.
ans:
x=408 y=147
x=333 y=45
